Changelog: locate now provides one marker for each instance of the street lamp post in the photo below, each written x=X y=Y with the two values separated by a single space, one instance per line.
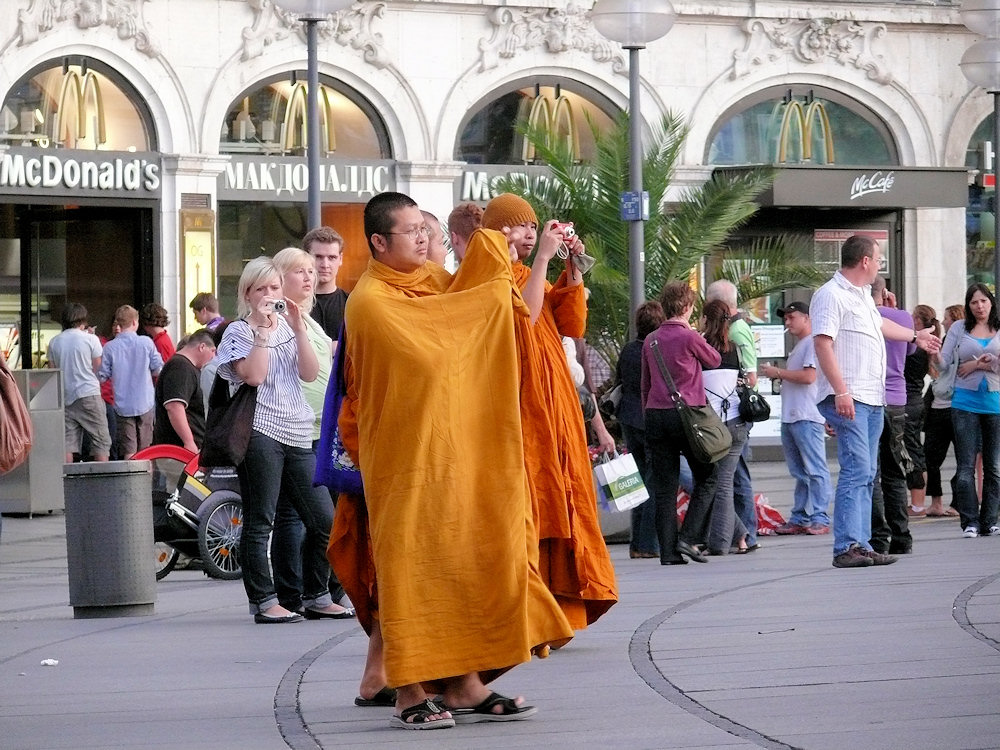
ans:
x=633 y=24
x=311 y=12
x=981 y=65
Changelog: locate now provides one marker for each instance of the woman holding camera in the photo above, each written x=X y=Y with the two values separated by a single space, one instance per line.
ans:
x=269 y=348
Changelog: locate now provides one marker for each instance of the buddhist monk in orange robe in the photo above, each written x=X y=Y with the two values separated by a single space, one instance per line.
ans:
x=431 y=417
x=573 y=557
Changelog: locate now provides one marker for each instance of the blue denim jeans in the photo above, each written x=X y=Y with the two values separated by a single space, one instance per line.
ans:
x=805 y=454
x=746 y=506
x=970 y=429
x=722 y=528
x=287 y=547
x=271 y=470
x=857 y=452
x=644 y=515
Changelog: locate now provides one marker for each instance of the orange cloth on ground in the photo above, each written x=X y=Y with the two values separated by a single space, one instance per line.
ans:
x=574 y=559
x=431 y=415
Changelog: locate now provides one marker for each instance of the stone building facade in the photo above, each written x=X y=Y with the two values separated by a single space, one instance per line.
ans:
x=147 y=148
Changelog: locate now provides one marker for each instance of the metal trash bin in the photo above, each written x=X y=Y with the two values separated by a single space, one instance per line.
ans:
x=109 y=538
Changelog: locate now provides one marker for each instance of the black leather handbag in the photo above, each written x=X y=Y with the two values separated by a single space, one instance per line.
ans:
x=228 y=425
x=753 y=406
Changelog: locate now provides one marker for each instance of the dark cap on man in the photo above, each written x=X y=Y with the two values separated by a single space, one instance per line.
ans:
x=799 y=307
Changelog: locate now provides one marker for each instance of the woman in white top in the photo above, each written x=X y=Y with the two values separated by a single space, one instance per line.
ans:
x=725 y=529
x=271 y=350
x=298 y=278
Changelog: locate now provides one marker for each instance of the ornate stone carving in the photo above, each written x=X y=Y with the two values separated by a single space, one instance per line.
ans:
x=554 y=29
x=124 y=16
x=811 y=41
x=349 y=28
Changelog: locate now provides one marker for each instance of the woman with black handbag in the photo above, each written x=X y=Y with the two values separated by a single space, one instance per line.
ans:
x=269 y=348
x=684 y=354
x=721 y=388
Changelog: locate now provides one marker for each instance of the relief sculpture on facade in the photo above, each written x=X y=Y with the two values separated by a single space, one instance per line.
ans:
x=348 y=28
x=557 y=30
x=812 y=41
x=124 y=16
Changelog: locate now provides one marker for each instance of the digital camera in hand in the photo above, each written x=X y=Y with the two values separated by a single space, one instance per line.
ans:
x=279 y=306
x=567 y=228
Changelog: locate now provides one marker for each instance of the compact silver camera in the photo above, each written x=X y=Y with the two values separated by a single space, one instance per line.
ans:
x=279 y=306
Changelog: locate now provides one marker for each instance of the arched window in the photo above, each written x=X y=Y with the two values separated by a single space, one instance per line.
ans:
x=77 y=103
x=980 y=228
x=801 y=125
x=270 y=118
x=490 y=132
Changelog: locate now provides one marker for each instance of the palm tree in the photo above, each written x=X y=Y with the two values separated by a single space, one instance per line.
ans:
x=677 y=239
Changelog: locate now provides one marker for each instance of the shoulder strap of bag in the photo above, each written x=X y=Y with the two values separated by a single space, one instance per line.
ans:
x=664 y=372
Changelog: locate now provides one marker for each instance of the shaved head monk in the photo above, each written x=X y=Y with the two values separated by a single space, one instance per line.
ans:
x=436 y=447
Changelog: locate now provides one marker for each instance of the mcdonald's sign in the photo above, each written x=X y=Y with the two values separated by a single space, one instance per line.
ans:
x=83 y=93
x=295 y=112
x=556 y=118
x=799 y=121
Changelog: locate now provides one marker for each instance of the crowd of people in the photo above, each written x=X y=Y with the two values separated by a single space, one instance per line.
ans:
x=460 y=398
x=874 y=376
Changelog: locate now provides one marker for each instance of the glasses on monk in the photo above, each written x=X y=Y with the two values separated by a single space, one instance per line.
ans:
x=414 y=234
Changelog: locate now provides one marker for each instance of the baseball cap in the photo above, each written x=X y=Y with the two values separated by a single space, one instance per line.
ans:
x=799 y=307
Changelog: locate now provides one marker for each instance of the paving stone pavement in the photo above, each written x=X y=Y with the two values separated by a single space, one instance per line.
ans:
x=775 y=649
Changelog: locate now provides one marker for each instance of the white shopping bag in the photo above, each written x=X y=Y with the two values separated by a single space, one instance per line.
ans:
x=619 y=484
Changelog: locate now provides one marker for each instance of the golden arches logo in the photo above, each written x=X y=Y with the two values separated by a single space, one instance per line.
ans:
x=802 y=120
x=296 y=108
x=558 y=121
x=81 y=91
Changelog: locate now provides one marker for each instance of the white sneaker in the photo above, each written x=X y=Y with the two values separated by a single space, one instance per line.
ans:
x=971 y=532
x=994 y=531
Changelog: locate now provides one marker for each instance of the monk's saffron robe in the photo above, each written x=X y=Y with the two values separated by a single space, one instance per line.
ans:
x=574 y=559
x=432 y=418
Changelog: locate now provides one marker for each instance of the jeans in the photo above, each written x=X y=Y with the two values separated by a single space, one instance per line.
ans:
x=746 y=507
x=722 y=527
x=271 y=470
x=286 y=552
x=805 y=453
x=970 y=429
x=890 y=496
x=644 y=515
x=665 y=441
x=938 y=436
x=857 y=453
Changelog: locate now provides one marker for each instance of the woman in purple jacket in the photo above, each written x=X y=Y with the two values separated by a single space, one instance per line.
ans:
x=684 y=353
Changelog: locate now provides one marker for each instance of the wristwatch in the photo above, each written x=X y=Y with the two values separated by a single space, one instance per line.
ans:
x=914 y=339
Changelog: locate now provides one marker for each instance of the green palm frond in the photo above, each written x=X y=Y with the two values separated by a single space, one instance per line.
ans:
x=678 y=238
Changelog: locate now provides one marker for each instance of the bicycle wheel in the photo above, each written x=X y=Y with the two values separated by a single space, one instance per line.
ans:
x=219 y=537
x=164 y=559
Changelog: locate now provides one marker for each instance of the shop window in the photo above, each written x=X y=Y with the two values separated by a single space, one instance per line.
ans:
x=491 y=133
x=76 y=103
x=980 y=239
x=801 y=125
x=270 y=118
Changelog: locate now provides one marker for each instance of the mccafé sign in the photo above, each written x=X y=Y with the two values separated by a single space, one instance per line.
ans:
x=876 y=182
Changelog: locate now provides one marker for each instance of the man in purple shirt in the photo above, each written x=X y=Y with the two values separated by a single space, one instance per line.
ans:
x=890 y=516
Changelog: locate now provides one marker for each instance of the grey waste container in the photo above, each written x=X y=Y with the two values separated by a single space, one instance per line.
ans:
x=109 y=538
